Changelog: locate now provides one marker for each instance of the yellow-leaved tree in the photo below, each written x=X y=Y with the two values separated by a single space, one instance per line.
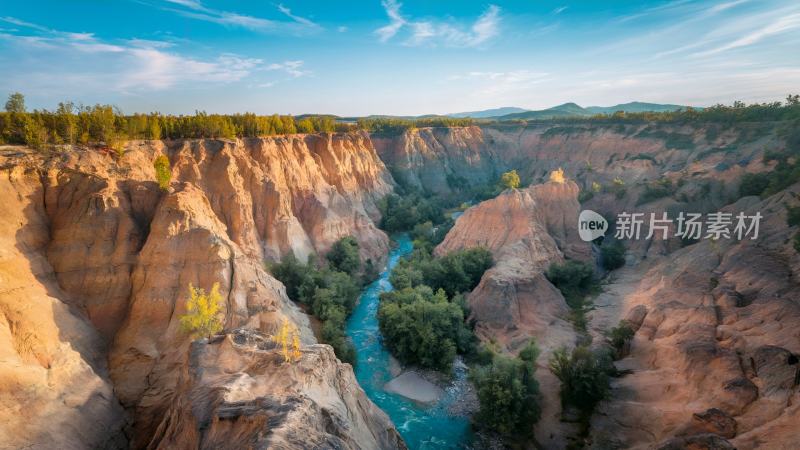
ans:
x=163 y=171
x=557 y=175
x=202 y=312
x=289 y=340
x=510 y=180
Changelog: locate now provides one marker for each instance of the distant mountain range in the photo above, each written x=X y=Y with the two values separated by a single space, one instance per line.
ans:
x=566 y=110
x=486 y=113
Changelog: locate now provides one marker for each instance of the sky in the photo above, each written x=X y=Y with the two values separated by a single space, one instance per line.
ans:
x=365 y=57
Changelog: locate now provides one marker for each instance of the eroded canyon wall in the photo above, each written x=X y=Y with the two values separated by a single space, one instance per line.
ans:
x=444 y=159
x=98 y=261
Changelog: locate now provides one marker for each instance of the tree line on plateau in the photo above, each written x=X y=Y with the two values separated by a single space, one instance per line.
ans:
x=72 y=123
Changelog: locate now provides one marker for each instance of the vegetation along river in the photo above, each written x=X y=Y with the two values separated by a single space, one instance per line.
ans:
x=422 y=427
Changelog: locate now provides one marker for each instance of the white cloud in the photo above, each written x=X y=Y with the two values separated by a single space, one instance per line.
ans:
x=292 y=68
x=559 y=10
x=396 y=21
x=86 y=62
x=422 y=32
x=725 y=6
x=194 y=9
x=342 y=29
x=778 y=26
x=298 y=19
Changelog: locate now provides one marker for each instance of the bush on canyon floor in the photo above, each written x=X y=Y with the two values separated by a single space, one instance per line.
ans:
x=784 y=173
x=612 y=255
x=422 y=320
x=753 y=184
x=458 y=271
x=343 y=256
x=427 y=235
x=404 y=213
x=584 y=376
x=656 y=190
x=202 y=312
x=574 y=279
x=422 y=327
x=327 y=293
x=793 y=215
x=620 y=337
x=508 y=393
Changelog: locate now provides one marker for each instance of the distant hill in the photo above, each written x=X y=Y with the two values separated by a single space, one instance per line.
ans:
x=489 y=112
x=573 y=110
x=565 y=110
x=635 y=107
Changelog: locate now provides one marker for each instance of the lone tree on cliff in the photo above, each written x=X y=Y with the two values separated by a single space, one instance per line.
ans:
x=509 y=180
x=202 y=312
x=163 y=172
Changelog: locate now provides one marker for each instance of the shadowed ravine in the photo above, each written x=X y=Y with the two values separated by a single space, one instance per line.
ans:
x=421 y=427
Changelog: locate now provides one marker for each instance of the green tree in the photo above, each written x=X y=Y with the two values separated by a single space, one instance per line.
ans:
x=292 y=273
x=612 y=255
x=163 y=171
x=574 y=279
x=343 y=255
x=584 y=377
x=753 y=184
x=509 y=180
x=422 y=327
x=67 y=122
x=202 y=312
x=305 y=126
x=509 y=393
x=16 y=103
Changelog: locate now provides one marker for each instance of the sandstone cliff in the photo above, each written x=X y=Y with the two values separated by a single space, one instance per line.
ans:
x=715 y=357
x=96 y=261
x=439 y=159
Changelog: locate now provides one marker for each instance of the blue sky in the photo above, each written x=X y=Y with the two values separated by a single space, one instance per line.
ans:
x=393 y=57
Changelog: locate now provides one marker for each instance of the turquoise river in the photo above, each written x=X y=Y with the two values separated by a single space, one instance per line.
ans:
x=421 y=427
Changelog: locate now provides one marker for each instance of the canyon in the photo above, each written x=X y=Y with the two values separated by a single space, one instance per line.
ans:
x=95 y=261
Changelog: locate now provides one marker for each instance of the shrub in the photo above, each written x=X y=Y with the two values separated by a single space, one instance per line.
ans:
x=618 y=188
x=509 y=180
x=292 y=273
x=753 y=184
x=508 y=394
x=620 y=336
x=793 y=215
x=343 y=256
x=201 y=318
x=163 y=171
x=653 y=191
x=796 y=243
x=574 y=279
x=584 y=377
x=557 y=176
x=612 y=255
